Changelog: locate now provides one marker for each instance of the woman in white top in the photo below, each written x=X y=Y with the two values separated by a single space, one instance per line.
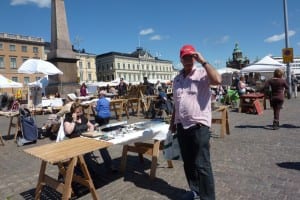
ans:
x=242 y=86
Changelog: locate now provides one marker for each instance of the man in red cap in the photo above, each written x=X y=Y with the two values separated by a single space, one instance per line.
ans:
x=191 y=120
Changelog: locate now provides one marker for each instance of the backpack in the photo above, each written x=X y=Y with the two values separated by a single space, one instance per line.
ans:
x=28 y=127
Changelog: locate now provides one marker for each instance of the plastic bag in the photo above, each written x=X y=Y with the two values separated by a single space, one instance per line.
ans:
x=171 y=149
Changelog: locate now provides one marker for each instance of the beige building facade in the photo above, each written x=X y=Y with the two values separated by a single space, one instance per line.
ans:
x=86 y=67
x=133 y=67
x=14 y=50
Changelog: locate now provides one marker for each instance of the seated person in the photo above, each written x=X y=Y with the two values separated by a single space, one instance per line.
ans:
x=76 y=123
x=242 y=86
x=163 y=102
x=102 y=108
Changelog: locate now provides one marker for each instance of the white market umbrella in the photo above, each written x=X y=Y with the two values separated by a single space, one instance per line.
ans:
x=227 y=70
x=43 y=82
x=32 y=66
x=7 y=83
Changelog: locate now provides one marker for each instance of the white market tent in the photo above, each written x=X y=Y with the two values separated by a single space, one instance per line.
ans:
x=266 y=64
x=7 y=83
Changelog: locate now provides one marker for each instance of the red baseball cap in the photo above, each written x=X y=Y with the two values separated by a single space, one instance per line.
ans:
x=187 y=50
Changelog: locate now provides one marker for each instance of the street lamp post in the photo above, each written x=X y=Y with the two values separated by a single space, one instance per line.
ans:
x=288 y=68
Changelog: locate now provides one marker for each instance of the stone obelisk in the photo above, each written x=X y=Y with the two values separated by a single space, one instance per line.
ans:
x=61 y=53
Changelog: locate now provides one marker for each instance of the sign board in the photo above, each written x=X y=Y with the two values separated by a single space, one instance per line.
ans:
x=258 y=107
x=287 y=55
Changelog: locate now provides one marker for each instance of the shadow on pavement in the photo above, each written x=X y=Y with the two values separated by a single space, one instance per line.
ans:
x=158 y=185
x=289 y=126
x=290 y=165
x=100 y=176
x=268 y=127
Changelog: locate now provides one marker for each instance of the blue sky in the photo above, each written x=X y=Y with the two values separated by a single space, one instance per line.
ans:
x=163 y=26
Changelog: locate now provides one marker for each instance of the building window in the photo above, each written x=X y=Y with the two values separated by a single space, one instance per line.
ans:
x=1 y=46
x=80 y=65
x=26 y=80
x=90 y=77
x=24 y=59
x=133 y=66
x=24 y=48
x=35 y=49
x=12 y=47
x=14 y=78
x=1 y=62
x=81 y=76
x=13 y=62
x=128 y=66
x=119 y=67
x=89 y=65
x=123 y=66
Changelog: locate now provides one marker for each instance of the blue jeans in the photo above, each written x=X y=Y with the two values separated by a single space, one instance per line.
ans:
x=194 y=145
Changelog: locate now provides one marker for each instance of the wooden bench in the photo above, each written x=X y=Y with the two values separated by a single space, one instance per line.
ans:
x=119 y=106
x=12 y=124
x=142 y=148
x=133 y=105
x=66 y=153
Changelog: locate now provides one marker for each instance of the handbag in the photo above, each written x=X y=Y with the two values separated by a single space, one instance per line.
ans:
x=61 y=132
x=171 y=150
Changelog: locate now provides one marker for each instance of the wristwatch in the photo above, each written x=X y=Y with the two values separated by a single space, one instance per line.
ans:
x=204 y=63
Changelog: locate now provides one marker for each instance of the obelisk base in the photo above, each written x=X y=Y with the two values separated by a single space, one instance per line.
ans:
x=66 y=83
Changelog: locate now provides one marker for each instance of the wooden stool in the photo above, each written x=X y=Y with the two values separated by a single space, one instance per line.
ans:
x=1 y=139
x=224 y=121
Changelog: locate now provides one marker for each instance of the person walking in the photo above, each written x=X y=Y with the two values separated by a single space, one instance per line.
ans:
x=294 y=81
x=278 y=86
x=191 y=120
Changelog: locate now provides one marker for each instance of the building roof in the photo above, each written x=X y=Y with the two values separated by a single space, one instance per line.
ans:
x=139 y=53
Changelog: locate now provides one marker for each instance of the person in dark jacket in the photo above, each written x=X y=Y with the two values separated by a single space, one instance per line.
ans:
x=278 y=86
x=122 y=88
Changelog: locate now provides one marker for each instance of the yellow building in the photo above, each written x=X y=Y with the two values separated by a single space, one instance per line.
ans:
x=14 y=50
x=86 y=67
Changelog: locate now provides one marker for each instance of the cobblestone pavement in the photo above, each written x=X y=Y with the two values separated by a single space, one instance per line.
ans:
x=253 y=162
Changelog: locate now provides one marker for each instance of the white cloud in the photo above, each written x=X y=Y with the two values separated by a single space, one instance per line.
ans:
x=156 y=37
x=39 y=3
x=146 y=31
x=276 y=38
x=223 y=39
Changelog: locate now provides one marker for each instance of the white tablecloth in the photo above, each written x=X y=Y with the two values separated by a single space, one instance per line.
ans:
x=156 y=131
x=56 y=102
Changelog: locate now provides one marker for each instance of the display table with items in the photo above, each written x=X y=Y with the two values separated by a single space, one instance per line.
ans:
x=252 y=103
x=133 y=137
